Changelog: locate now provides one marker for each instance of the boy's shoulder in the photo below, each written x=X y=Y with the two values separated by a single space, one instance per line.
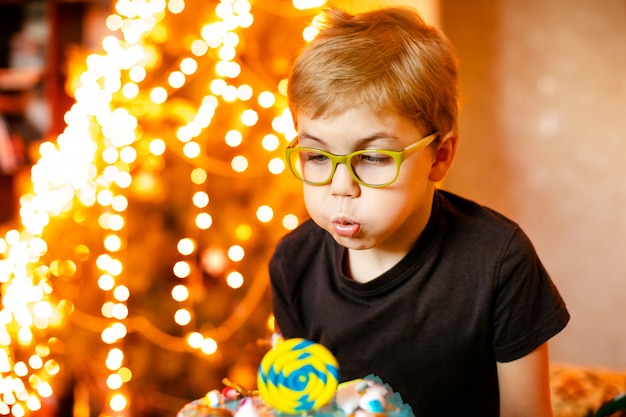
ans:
x=468 y=220
x=471 y=210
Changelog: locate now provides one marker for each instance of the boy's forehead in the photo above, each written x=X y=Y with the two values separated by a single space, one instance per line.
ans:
x=359 y=124
x=332 y=115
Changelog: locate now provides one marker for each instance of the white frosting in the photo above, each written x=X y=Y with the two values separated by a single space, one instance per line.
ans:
x=247 y=409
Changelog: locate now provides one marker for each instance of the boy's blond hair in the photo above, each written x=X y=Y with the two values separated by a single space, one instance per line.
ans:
x=387 y=59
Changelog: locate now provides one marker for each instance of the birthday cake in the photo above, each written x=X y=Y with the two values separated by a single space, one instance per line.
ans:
x=300 y=377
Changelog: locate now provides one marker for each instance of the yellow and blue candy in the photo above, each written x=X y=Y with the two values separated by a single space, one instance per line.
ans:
x=298 y=375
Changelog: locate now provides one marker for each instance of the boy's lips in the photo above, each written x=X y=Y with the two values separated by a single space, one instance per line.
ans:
x=345 y=228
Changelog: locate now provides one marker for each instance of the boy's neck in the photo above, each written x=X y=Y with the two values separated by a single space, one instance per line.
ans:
x=365 y=265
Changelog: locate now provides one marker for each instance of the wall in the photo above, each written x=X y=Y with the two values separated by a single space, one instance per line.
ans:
x=429 y=9
x=543 y=140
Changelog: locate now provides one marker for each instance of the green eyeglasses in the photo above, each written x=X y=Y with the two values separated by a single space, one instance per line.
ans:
x=368 y=167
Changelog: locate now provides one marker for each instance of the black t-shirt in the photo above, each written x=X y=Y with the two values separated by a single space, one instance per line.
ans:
x=471 y=292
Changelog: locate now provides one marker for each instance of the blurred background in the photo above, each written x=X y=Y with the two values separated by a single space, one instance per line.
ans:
x=142 y=187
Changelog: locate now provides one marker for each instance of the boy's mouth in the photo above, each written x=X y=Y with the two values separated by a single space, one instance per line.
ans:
x=345 y=228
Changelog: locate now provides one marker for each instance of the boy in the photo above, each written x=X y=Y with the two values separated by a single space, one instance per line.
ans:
x=442 y=298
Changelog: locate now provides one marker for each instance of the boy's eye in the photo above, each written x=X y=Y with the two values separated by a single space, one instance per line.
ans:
x=374 y=158
x=314 y=157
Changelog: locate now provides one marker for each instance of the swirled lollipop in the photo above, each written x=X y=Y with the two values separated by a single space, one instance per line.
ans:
x=298 y=375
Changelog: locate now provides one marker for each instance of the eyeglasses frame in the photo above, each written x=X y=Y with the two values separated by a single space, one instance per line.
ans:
x=398 y=156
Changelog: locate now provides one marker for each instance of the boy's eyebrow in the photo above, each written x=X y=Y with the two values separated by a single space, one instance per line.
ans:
x=389 y=140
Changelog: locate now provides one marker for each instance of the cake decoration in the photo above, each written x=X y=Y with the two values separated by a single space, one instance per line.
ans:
x=298 y=375
x=299 y=378
x=361 y=395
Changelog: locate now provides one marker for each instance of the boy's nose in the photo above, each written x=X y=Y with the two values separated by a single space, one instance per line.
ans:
x=342 y=182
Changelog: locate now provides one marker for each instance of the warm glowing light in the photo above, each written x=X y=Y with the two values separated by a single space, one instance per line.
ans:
x=157 y=146
x=118 y=402
x=52 y=367
x=228 y=69
x=128 y=154
x=108 y=264
x=266 y=99
x=188 y=66
x=121 y=293
x=125 y=374
x=16 y=410
x=199 y=47
x=244 y=92
x=282 y=87
x=230 y=39
x=112 y=243
x=249 y=117
x=110 y=155
x=44 y=389
x=120 y=312
x=243 y=232
x=113 y=333
x=200 y=199
x=239 y=163
x=176 y=6
x=209 y=346
x=218 y=86
x=114 y=222
x=224 y=10
x=283 y=123
x=182 y=317
x=130 y=90
x=229 y=93
x=35 y=362
x=214 y=261
x=42 y=309
x=276 y=166
x=270 y=142
x=119 y=203
x=123 y=180
x=204 y=221
x=235 y=253
x=198 y=176
x=25 y=336
x=137 y=74
x=233 y=138
x=33 y=403
x=20 y=369
x=115 y=359
x=180 y=293
x=158 y=95
x=105 y=197
x=114 y=381
x=309 y=33
x=107 y=309
x=176 y=79
x=290 y=221
x=85 y=176
x=114 y=22
x=182 y=269
x=195 y=340
x=106 y=282
x=213 y=33
x=191 y=150
x=227 y=53
x=265 y=214
x=234 y=280
x=186 y=246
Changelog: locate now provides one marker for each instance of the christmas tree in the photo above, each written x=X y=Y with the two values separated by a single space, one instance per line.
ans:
x=137 y=279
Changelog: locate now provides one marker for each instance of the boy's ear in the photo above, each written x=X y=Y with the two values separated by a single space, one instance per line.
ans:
x=444 y=156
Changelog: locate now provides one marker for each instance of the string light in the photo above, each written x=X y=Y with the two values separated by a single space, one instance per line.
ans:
x=90 y=166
